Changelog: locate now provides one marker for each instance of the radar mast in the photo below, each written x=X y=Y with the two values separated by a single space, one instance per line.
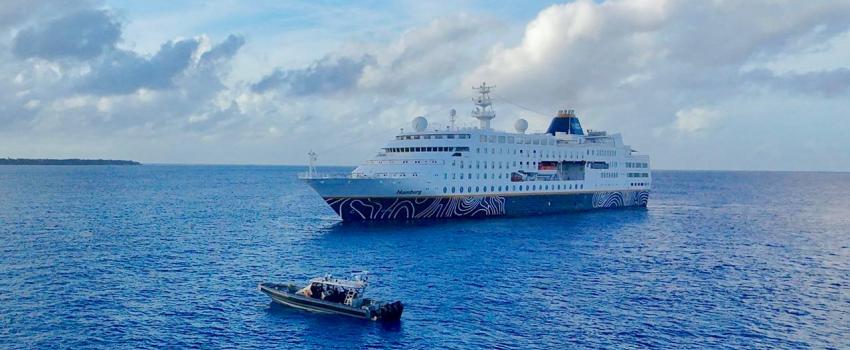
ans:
x=483 y=106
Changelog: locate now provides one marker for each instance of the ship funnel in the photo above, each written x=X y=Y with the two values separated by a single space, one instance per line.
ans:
x=566 y=122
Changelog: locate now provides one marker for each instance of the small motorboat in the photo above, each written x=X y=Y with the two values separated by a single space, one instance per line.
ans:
x=336 y=296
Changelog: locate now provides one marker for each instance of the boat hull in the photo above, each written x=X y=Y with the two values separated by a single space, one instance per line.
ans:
x=312 y=304
x=445 y=207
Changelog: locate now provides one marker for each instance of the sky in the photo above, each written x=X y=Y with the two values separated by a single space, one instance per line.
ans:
x=696 y=84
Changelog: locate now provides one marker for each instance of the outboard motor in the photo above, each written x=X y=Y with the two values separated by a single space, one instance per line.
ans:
x=390 y=311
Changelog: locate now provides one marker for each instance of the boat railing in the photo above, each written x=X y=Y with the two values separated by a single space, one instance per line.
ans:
x=319 y=176
x=329 y=176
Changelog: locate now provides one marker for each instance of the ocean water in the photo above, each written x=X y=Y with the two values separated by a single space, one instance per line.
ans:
x=170 y=256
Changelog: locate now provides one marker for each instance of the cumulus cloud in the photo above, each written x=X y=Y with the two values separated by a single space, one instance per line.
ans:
x=680 y=68
x=15 y=12
x=225 y=50
x=84 y=34
x=695 y=119
x=325 y=76
x=648 y=54
x=65 y=74
x=432 y=57
x=122 y=72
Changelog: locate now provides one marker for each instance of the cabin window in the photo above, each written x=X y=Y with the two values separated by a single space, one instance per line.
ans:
x=453 y=190
x=445 y=190
x=450 y=136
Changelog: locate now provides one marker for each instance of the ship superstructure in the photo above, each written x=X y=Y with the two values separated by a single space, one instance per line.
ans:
x=478 y=171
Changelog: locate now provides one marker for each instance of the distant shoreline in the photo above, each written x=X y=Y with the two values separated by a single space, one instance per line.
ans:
x=25 y=161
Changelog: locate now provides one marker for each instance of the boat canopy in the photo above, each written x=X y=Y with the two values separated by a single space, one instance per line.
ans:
x=354 y=284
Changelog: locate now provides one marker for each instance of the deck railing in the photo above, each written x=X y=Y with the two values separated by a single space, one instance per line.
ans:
x=308 y=176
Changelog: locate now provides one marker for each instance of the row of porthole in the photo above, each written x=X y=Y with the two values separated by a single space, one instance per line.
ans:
x=527 y=188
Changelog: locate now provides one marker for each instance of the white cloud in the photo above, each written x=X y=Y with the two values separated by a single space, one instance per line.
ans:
x=684 y=69
x=695 y=119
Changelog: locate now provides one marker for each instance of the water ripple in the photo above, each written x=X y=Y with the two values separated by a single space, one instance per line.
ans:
x=169 y=256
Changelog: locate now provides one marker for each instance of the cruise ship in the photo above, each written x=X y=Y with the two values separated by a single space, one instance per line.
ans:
x=459 y=172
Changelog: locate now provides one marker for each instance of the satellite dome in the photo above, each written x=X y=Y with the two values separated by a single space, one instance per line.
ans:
x=420 y=124
x=521 y=125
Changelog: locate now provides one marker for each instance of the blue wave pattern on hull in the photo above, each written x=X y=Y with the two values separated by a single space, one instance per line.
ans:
x=378 y=208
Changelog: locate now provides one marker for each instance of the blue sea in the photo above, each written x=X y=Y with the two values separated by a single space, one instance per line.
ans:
x=169 y=256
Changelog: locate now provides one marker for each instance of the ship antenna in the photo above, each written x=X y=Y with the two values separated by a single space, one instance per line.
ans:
x=452 y=114
x=311 y=167
x=483 y=106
